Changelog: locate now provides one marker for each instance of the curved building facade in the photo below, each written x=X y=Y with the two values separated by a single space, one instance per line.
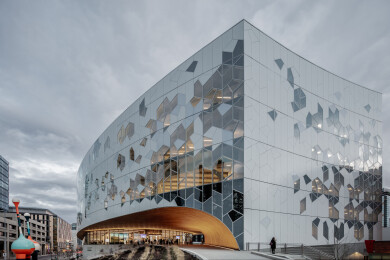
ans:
x=242 y=142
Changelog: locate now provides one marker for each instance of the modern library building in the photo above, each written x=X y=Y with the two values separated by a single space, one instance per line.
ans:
x=242 y=142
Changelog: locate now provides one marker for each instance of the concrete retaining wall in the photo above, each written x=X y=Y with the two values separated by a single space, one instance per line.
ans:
x=93 y=251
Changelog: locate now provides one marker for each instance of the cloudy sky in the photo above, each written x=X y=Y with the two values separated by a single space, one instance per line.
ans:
x=69 y=68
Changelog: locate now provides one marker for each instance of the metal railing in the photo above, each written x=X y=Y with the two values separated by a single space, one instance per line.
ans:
x=291 y=248
x=263 y=246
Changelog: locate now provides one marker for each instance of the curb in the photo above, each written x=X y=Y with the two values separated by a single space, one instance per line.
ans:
x=200 y=257
x=276 y=257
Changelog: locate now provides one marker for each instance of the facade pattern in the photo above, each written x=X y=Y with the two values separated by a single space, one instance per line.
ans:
x=181 y=144
x=312 y=170
x=313 y=150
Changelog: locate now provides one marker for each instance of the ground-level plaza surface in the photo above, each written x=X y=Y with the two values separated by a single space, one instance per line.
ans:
x=242 y=142
x=152 y=252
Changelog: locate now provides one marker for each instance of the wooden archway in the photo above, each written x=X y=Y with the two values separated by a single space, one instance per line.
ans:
x=176 y=218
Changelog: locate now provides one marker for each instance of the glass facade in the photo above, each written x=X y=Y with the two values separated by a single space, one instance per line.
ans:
x=181 y=144
x=244 y=121
x=4 y=182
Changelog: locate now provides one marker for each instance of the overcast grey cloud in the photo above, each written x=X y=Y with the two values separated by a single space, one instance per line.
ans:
x=69 y=68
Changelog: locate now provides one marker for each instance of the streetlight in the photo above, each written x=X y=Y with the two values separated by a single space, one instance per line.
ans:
x=16 y=202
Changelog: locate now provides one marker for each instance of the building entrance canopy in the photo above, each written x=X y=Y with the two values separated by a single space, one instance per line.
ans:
x=185 y=220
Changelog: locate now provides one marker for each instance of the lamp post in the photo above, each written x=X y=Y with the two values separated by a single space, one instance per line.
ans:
x=36 y=244
x=16 y=203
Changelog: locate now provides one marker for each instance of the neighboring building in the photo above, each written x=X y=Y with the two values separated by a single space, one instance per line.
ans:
x=385 y=214
x=76 y=242
x=4 y=184
x=9 y=231
x=58 y=230
x=62 y=235
x=74 y=235
x=4 y=200
x=242 y=142
x=386 y=207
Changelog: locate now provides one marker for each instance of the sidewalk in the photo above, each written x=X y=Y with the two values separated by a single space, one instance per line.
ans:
x=42 y=257
x=211 y=253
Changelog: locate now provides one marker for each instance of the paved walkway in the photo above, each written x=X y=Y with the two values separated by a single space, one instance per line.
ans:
x=43 y=257
x=212 y=253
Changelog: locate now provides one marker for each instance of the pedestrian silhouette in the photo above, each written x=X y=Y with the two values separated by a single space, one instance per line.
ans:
x=273 y=245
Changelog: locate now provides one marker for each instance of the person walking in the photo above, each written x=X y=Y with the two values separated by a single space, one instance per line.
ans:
x=273 y=245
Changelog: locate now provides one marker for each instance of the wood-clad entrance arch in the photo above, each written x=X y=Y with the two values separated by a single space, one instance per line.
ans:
x=176 y=218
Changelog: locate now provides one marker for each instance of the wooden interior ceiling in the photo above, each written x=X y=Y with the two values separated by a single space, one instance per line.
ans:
x=175 y=218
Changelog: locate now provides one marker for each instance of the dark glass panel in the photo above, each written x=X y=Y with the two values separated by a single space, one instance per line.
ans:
x=173 y=195
x=227 y=57
x=238 y=201
x=207 y=192
x=192 y=66
x=179 y=201
x=234 y=215
x=198 y=195
x=217 y=187
x=167 y=196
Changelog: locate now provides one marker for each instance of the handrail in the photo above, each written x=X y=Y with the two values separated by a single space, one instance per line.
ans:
x=278 y=244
